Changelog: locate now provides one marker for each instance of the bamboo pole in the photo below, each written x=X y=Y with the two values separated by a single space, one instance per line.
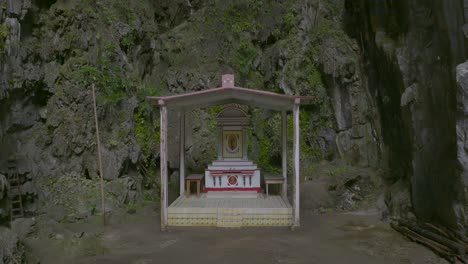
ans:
x=296 y=171
x=101 y=172
x=163 y=154
x=182 y=154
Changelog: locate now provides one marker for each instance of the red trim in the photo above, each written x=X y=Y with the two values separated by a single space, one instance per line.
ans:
x=211 y=189
x=231 y=171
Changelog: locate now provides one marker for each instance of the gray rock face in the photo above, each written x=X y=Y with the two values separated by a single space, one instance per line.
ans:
x=22 y=227
x=462 y=128
x=4 y=202
x=14 y=7
x=3 y=187
x=11 y=250
x=46 y=128
x=411 y=73
x=52 y=52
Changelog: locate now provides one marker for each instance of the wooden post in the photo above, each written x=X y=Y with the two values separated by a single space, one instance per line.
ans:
x=163 y=120
x=296 y=144
x=182 y=154
x=101 y=172
x=284 y=164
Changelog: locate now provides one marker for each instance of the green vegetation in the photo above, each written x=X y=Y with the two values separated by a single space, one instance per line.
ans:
x=243 y=57
x=213 y=111
x=327 y=29
x=128 y=41
x=240 y=16
x=146 y=132
x=338 y=170
x=4 y=32
x=290 y=20
x=111 y=84
x=112 y=143
x=264 y=140
x=264 y=155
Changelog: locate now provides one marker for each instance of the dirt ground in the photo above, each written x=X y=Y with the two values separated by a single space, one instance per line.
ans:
x=137 y=239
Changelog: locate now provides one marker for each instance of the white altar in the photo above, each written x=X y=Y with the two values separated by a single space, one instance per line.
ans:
x=232 y=171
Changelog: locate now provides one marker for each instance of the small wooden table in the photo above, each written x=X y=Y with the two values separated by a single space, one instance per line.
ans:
x=272 y=180
x=193 y=178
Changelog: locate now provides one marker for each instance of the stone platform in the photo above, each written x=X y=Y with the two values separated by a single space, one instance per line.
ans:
x=230 y=212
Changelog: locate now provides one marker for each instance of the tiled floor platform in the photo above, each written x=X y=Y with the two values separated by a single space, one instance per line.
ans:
x=230 y=212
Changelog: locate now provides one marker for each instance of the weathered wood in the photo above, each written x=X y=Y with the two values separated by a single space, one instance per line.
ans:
x=101 y=171
x=163 y=155
x=439 y=248
x=182 y=154
x=224 y=95
x=272 y=180
x=197 y=178
x=413 y=236
x=457 y=248
x=448 y=234
x=284 y=164
x=296 y=221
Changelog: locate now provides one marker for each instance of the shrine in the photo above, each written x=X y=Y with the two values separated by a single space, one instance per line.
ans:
x=232 y=171
x=233 y=193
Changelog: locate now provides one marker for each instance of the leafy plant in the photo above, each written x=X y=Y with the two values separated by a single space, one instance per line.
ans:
x=290 y=20
x=4 y=32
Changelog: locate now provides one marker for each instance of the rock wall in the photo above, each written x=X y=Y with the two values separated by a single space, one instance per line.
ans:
x=462 y=128
x=51 y=51
x=410 y=50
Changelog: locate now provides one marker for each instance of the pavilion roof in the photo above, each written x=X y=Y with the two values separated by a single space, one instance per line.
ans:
x=228 y=93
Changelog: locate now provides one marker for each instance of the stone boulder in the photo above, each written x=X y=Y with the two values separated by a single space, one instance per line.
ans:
x=11 y=250
x=23 y=227
x=4 y=214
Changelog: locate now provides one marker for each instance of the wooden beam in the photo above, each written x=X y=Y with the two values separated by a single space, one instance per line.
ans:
x=182 y=153
x=296 y=143
x=163 y=155
x=284 y=164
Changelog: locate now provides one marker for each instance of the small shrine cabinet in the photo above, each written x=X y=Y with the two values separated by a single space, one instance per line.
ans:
x=232 y=171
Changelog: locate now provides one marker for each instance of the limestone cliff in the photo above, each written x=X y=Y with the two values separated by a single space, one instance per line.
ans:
x=54 y=50
x=382 y=75
x=411 y=50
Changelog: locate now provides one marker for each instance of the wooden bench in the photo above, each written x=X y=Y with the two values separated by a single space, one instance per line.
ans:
x=193 y=178
x=269 y=179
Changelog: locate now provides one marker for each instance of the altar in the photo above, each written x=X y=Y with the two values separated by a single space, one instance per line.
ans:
x=233 y=194
x=232 y=171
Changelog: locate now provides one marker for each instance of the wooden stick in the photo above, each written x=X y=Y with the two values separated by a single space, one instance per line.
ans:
x=284 y=146
x=101 y=172
x=163 y=163
x=442 y=246
x=441 y=250
x=296 y=156
x=448 y=234
x=453 y=245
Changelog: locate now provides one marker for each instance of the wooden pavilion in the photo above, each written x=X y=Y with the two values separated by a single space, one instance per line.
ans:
x=230 y=209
